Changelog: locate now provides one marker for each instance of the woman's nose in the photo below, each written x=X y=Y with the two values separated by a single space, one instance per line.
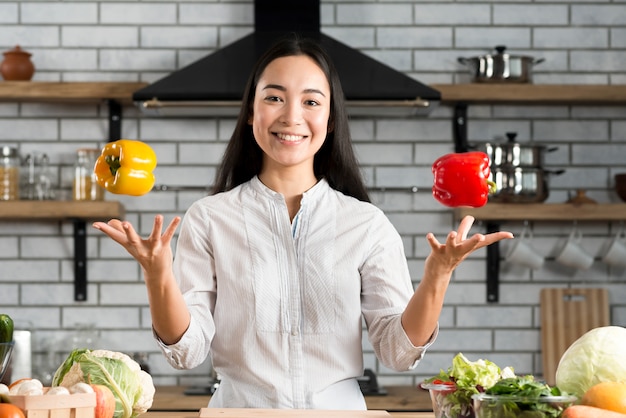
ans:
x=292 y=114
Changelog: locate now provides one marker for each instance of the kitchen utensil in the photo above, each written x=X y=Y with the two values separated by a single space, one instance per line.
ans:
x=566 y=314
x=9 y=173
x=442 y=403
x=521 y=251
x=501 y=67
x=287 y=413
x=489 y=406
x=85 y=186
x=569 y=251
x=613 y=250
x=520 y=184
x=515 y=154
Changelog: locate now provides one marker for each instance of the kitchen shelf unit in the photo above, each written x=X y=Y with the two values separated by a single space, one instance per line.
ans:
x=77 y=212
x=494 y=213
x=117 y=94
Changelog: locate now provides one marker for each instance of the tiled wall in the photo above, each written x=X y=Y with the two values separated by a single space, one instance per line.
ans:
x=583 y=42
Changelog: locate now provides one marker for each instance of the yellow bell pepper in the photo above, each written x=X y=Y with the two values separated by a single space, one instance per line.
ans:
x=125 y=167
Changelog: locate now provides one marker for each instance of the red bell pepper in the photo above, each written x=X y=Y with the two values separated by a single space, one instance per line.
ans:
x=462 y=179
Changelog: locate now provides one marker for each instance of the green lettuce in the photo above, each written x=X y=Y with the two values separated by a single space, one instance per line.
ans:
x=132 y=387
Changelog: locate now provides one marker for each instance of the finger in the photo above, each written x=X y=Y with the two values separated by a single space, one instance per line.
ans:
x=464 y=227
x=171 y=228
x=157 y=227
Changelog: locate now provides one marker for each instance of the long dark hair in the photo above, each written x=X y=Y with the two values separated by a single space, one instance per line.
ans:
x=335 y=161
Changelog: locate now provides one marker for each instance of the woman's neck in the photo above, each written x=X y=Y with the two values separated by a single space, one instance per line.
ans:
x=292 y=187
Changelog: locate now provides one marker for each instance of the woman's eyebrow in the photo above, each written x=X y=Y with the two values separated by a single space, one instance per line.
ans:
x=282 y=88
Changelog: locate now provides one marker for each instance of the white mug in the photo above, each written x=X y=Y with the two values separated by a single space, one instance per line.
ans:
x=521 y=252
x=613 y=251
x=570 y=253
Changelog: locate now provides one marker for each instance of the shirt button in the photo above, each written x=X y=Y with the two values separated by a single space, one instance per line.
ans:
x=294 y=332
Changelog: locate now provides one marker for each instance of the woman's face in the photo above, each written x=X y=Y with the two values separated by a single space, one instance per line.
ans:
x=290 y=112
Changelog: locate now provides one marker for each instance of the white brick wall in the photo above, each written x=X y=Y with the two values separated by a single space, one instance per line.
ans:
x=582 y=42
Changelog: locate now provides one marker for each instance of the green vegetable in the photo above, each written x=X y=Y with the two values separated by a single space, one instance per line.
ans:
x=6 y=328
x=132 y=387
x=469 y=378
x=597 y=356
x=522 y=396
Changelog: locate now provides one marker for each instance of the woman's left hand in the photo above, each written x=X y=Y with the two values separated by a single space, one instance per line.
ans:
x=444 y=258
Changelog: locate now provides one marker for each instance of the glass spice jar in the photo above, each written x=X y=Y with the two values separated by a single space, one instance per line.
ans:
x=85 y=186
x=9 y=174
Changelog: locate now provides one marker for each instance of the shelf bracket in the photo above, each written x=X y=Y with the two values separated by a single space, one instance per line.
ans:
x=80 y=225
x=493 y=265
x=80 y=260
x=459 y=127
x=115 y=120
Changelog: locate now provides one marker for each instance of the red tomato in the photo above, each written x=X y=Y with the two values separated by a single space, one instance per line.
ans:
x=8 y=410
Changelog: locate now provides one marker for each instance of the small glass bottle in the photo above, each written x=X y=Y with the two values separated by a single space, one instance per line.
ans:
x=85 y=186
x=9 y=174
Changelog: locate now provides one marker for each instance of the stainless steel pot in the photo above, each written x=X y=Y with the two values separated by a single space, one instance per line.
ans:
x=501 y=67
x=520 y=184
x=515 y=154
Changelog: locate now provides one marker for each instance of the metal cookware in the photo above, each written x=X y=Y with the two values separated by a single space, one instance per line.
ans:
x=501 y=67
x=520 y=184
x=515 y=154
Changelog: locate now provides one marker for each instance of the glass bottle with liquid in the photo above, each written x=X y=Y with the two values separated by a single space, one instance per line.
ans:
x=85 y=186
x=9 y=173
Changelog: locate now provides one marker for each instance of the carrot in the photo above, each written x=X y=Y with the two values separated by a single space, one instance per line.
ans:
x=585 y=411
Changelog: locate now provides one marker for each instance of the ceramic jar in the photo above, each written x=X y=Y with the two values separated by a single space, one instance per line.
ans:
x=17 y=65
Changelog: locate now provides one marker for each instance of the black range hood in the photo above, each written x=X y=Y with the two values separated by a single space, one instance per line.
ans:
x=213 y=86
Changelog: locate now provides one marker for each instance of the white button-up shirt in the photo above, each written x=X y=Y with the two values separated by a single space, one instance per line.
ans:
x=279 y=305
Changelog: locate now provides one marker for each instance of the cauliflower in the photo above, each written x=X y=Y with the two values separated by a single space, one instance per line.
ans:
x=132 y=387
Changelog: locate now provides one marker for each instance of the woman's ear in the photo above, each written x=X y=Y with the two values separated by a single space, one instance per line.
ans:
x=331 y=126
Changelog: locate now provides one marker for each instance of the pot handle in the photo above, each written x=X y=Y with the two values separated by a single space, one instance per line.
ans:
x=538 y=61
x=552 y=149
x=556 y=172
x=463 y=60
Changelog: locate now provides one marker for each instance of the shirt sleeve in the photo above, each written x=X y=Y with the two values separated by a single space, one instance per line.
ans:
x=194 y=271
x=386 y=290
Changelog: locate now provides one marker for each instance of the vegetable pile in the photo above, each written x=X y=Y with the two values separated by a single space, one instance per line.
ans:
x=522 y=396
x=465 y=378
x=132 y=387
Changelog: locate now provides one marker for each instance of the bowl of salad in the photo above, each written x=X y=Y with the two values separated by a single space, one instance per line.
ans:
x=521 y=397
x=451 y=390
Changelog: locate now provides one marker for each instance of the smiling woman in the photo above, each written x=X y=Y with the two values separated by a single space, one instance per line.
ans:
x=275 y=272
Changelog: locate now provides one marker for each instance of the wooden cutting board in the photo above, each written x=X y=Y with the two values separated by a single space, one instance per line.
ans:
x=287 y=413
x=566 y=314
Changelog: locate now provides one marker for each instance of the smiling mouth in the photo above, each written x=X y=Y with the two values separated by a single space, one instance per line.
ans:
x=290 y=138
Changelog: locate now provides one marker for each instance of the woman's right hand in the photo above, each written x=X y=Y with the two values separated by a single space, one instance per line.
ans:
x=154 y=253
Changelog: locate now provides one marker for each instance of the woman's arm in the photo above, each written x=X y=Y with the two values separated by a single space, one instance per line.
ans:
x=420 y=317
x=170 y=316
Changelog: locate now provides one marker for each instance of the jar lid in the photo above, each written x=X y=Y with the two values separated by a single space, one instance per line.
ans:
x=8 y=152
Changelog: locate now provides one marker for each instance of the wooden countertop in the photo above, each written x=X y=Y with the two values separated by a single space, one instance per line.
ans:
x=398 y=398
x=196 y=414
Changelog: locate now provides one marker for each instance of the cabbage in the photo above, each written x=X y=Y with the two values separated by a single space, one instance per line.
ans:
x=597 y=356
x=132 y=387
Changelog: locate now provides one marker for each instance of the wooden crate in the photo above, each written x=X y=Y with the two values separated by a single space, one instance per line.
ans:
x=78 y=405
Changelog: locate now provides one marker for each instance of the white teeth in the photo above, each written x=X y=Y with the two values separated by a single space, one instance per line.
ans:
x=285 y=137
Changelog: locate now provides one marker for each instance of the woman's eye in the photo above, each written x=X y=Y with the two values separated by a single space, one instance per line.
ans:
x=272 y=98
x=311 y=103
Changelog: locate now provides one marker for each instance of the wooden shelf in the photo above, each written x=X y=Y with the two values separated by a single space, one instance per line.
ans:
x=451 y=93
x=532 y=94
x=47 y=210
x=38 y=91
x=546 y=212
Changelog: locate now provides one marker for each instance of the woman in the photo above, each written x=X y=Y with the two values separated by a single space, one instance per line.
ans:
x=275 y=271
